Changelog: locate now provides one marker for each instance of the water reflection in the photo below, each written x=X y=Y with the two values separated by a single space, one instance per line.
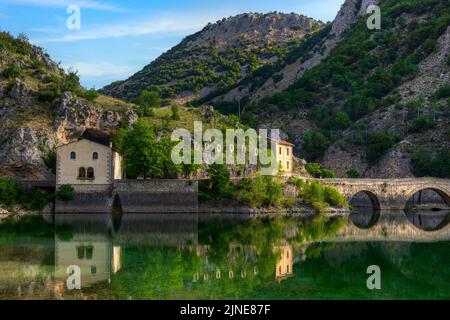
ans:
x=428 y=211
x=365 y=210
x=182 y=256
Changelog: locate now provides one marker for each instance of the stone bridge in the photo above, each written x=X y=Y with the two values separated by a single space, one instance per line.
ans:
x=390 y=194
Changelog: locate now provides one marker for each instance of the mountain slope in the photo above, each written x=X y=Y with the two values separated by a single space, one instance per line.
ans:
x=219 y=56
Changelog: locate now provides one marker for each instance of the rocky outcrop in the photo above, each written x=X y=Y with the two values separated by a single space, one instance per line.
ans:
x=20 y=155
x=19 y=90
x=72 y=117
x=44 y=58
x=273 y=27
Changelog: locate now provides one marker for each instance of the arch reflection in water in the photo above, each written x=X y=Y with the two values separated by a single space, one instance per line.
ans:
x=365 y=210
x=428 y=210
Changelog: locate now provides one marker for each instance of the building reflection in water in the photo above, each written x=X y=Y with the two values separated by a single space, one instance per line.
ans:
x=94 y=254
x=284 y=266
x=94 y=242
x=87 y=243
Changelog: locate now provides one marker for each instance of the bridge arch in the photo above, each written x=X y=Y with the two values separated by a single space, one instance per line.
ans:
x=375 y=201
x=442 y=192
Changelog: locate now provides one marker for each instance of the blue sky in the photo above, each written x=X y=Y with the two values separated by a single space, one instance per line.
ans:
x=118 y=38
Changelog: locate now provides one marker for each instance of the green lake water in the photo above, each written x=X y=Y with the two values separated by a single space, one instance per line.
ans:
x=148 y=256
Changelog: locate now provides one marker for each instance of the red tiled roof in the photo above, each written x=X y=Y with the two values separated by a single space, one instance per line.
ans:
x=283 y=142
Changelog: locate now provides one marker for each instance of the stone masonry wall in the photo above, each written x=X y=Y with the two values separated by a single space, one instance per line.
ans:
x=157 y=196
x=135 y=196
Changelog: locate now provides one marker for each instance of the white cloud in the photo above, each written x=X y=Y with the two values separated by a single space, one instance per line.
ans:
x=86 y=4
x=101 y=69
x=169 y=23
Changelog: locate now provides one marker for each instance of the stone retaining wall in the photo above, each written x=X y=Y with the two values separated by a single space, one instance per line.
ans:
x=133 y=196
x=157 y=196
x=88 y=199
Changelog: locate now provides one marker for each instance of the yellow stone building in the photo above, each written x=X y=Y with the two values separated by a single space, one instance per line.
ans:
x=284 y=155
x=90 y=160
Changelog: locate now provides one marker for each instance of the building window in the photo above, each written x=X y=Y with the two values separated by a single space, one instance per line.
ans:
x=80 y=252
x=90 y=173
x=73 y=155
x=93 y=269
x=287 y=165
x=281 y=151
x=95 y=156
x=81 y=173
x=287 y=151
x=89 y=252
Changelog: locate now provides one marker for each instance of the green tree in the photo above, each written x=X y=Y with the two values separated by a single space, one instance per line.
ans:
x=91 y=94
x=422 y=123
x=425 y=164
x=221 y=187
x=168 y=168
x=71 y=82
x=353 y=174
x=148 y=100
x=12 y=71
x=66 y=192
x=140 y=150
x=143 y=154
x=262 y=191
x=334 y=198
x=9 y=191
x=315 y=144
x=49 y=159
x=341 y=121
x=316 y=170
x=443 y=92
x=175 y=112
x=378 y=144
x=191 y=168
